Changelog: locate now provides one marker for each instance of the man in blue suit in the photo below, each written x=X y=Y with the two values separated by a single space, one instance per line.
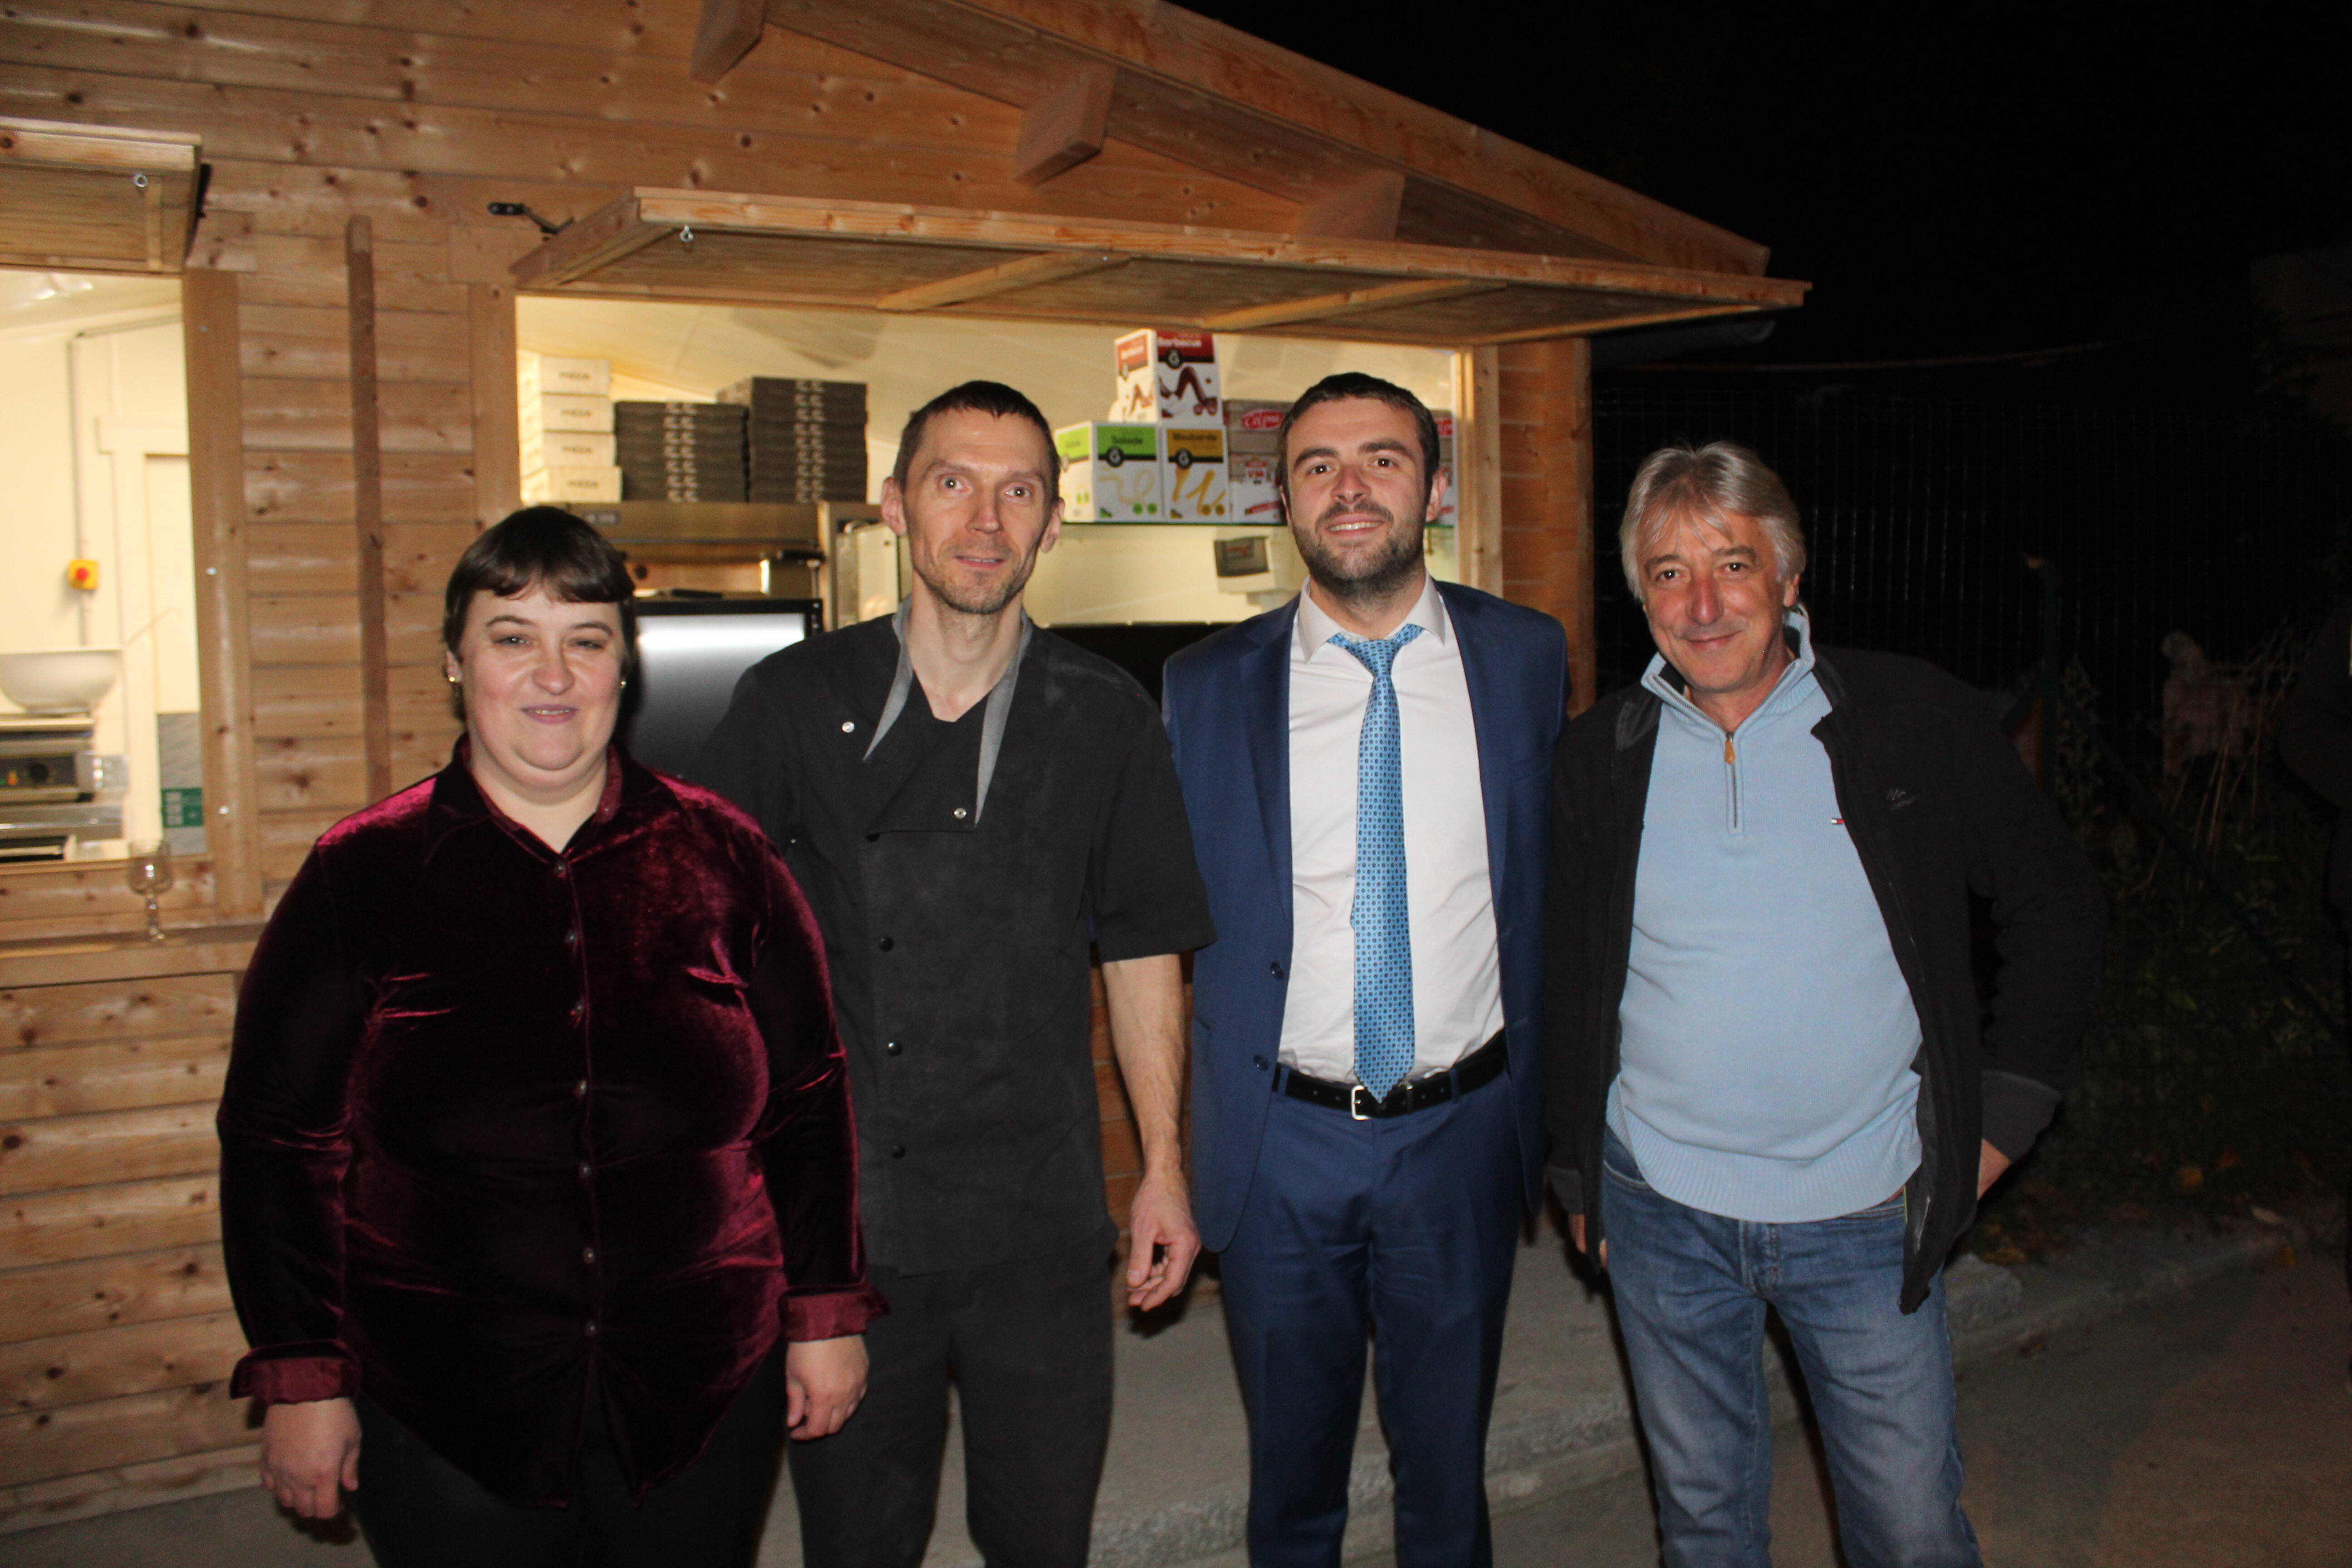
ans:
x=1366 y=770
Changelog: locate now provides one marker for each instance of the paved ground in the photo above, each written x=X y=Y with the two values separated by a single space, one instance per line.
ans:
x=2212 y=1429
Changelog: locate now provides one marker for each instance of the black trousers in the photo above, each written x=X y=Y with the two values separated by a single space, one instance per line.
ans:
x=1029 y=1346
x=418 y=1511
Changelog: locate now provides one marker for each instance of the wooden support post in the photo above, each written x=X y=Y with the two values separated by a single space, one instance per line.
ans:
x=208 y=318
x=1065 y=127
x=1478 y=470
x=1365 y=207
x=497 y=434
x=1547 y=492
x=367 y=509
x=728 y=30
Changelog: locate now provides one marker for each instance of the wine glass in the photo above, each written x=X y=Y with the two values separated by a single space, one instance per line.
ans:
x=149 y=871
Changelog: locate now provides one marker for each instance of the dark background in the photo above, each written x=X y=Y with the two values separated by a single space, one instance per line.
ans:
x=1952 y=180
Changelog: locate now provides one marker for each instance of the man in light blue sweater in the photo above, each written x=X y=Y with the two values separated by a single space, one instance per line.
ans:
x=1770 y=1082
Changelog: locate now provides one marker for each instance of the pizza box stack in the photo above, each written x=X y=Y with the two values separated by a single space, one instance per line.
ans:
x=681 y=451
x=805 y=439
x=564 y=409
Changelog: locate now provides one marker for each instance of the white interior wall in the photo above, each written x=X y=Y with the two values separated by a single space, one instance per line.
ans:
x=1153 y=573
x=93 y=436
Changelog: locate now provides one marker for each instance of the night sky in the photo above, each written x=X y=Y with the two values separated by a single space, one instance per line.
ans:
x=1953 y=181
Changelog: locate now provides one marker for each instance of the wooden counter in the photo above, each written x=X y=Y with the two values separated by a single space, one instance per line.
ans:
x=116 y=1337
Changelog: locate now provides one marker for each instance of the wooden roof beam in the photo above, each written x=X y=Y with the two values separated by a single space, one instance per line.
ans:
x=1350 y=302
x=1363 y=208
x=726 y=33
x=1216 y=98
x=1028 y=272
x=1065 y=128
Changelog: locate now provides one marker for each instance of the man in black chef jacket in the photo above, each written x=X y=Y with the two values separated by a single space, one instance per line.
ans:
x=969 y=803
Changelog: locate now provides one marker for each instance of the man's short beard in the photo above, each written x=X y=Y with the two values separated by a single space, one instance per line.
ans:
x=1374 y=580
x=987 y=600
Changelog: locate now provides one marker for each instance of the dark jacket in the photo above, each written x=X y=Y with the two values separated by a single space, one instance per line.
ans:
x=958 y=940
x=1228 y=704
x=2315 y=738
x=1939 y=809
x=501 y=1120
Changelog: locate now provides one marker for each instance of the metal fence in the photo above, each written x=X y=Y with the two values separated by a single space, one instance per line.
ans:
x=1920 y=516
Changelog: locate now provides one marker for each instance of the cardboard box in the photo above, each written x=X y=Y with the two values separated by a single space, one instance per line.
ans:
x=1193 y=472
x=1251 y=492
x=1110 y=472
x=1253 y=425
x=566 y=449
x=1167 y=375
x=1448 y=510
x=569 y=411
x=568 y=486
x=545 y=375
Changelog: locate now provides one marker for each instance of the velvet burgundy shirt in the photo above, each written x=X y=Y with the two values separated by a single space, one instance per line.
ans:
x=503 y=1124
x=958 y=937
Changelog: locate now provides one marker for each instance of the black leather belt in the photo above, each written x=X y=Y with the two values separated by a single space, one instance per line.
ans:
x=1477 y=1069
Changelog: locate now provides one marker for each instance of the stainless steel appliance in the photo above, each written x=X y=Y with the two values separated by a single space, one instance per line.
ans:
x=690 y=653
x=55 y=789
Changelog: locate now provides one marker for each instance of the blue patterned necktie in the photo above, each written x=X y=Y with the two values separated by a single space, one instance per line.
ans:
x=1381 y=920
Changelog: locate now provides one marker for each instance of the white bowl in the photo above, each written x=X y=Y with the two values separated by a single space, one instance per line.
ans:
x=60 y=680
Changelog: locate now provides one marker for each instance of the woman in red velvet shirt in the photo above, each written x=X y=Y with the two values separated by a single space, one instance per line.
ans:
x=536 y=1144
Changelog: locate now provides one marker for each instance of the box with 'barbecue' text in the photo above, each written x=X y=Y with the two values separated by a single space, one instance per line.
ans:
x=1167 y=374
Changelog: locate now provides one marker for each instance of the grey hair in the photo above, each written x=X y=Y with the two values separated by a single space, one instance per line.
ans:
x=1709 y=482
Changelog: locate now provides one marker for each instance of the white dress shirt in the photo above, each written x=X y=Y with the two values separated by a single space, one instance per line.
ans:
x=1457 y=994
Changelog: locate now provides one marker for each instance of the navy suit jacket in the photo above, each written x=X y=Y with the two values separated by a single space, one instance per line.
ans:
x=1227 y=705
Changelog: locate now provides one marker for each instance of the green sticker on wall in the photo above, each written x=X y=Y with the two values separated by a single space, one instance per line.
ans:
x=184 y=808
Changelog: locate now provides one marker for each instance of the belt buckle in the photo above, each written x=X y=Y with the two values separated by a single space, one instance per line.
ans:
x=1355 y=1099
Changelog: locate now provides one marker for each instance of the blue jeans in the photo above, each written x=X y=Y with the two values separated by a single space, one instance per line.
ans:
x=1691 y=1290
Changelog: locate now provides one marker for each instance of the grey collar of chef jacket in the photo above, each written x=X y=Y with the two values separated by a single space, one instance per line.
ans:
x=991 y=722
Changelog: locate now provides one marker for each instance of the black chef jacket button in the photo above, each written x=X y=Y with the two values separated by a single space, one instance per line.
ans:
x=960 y=813
x=898 y=1151
x=587 y=1255
x=873 y=838
x=893 y=1048
x=886 y=944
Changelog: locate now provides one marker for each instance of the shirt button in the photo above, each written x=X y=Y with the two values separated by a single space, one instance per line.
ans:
x=571 y=938
x=587 y=1171
x=591 y=1329
x=886 y=944
x=898 y=1151
x=562 y=869
x=579 y=1011
x=579 y=1090
x=587 y=1255
x=893 y=1048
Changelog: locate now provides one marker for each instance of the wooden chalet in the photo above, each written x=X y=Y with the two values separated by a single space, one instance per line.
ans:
x=318 y=175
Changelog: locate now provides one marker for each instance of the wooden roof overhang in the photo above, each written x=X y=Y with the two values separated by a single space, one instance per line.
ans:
x=95 y=199
x=690 y=246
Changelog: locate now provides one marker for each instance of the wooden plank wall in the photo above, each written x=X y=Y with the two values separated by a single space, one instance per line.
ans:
x=1546 y=402
x=116 y=1334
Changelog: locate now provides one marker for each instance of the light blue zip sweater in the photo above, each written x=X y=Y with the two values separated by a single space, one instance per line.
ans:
x=1766 y=1067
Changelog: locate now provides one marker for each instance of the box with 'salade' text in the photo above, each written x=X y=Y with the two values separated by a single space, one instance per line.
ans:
x=1110 y=472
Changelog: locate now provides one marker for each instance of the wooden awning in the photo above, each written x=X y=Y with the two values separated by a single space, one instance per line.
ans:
x=92 y=199
x=863 y=256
